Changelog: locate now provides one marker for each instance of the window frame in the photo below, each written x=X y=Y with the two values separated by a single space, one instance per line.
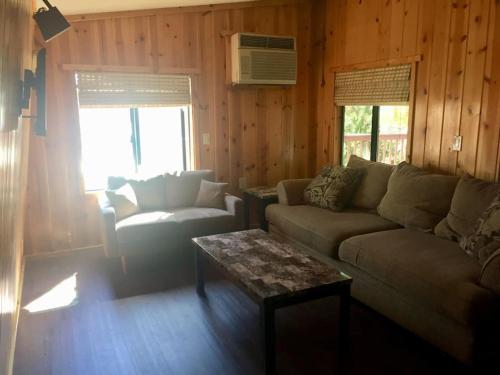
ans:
x=375 y=132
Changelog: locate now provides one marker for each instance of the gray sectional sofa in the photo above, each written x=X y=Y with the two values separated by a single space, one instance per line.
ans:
x=169 y=227
x=422 y=281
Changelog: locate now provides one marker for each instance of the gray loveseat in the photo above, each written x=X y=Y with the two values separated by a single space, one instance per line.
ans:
x=421 y=281
x=169 y=229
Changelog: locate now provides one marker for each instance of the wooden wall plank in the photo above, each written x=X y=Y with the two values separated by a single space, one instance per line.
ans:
x=473 y=83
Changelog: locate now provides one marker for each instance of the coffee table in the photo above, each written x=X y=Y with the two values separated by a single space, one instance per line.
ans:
x=274 y=274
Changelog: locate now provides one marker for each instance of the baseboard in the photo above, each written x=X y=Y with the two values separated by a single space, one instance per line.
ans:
x=98 y=250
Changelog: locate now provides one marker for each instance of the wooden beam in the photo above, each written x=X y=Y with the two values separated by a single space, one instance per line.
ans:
x=178 y=10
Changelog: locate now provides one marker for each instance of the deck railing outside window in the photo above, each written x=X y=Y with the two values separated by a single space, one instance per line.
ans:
x=391 y=147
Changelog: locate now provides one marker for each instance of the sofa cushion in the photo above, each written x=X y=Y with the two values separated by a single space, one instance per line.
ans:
x=430 y=270
x=416 y=198
x=471 y=198
x=373 y=185
x=182 y=190
x=150 y=193
x=124 y=201
x=211 y=194
x=180 y=223
x=323 y=230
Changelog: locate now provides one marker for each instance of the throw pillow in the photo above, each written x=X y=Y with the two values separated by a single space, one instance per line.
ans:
x=182 y=191
x=333 y=188
x=150 y=193
x=485 y=239
x=373 y=185
x=124 y=201
x=343 y=186
x=211 y=195
x=417 y=199
x=471 y=198
x=315 y=191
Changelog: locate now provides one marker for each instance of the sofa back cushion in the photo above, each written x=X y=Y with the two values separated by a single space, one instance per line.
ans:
x=150 y=193
x=182 y=191
x=416 y=198
x=471 y=198
x=373 y=185
x=123 y=201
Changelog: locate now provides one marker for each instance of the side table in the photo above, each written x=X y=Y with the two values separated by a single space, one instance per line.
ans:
x=262 y=196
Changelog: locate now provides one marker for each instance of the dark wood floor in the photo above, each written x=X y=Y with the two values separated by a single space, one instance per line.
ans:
x=152 y=322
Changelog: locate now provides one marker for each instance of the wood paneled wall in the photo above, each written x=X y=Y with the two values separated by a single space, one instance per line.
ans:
x=15 y=54
x=270 y=133
x=261 y=133
x=457 y=87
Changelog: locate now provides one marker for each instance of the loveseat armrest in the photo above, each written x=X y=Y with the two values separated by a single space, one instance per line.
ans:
x=291 y=192
x=234 y=206
x=490 y=274
x=108 y=228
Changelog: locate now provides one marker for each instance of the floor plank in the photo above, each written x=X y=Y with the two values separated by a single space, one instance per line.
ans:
x=152 y=322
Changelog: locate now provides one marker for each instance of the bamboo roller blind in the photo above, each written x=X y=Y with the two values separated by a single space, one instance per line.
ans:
x=389 y=85
x=106 y=89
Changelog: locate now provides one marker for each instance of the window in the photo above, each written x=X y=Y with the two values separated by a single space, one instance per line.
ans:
x=133 y=125
x=375 y=109
x=377 y=133
x=130 y=142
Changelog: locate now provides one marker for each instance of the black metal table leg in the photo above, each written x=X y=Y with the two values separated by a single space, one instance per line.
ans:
x=343 y=337
x=200 y=272
x=269 y=338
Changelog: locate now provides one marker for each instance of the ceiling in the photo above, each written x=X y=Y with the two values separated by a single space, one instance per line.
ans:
x=68 y=7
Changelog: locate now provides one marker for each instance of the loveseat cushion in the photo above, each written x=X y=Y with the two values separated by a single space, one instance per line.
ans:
x=321 y=229
x=173 y=225
x=430 y=270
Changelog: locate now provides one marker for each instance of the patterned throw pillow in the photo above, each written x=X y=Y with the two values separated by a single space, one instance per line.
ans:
x=485 y=239
x=315 y=191
x=334 y=188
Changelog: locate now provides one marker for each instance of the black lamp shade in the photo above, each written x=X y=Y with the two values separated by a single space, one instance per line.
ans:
x=51 y=22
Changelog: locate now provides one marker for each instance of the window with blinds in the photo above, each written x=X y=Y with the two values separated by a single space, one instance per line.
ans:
x=375 y=112
x=107 y=89
x=381 y=86
x=133 y=125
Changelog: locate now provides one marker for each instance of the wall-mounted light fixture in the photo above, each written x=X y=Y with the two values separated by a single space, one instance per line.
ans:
x=50 y=21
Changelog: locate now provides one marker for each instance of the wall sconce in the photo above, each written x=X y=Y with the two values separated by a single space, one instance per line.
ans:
x=50 y=21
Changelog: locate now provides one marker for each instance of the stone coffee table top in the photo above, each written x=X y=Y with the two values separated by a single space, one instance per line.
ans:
x=266 y=266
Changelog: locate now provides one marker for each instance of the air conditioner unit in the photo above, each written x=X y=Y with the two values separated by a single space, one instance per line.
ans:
x=263 y=59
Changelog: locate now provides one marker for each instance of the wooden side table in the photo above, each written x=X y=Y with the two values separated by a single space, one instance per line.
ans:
x=262 y=196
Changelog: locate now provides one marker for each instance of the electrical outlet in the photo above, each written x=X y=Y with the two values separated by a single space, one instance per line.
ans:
x=457 y=143
x=242 y=183
x=206 y=139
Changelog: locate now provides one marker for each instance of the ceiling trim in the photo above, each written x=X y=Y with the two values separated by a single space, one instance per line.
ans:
x=176 y=10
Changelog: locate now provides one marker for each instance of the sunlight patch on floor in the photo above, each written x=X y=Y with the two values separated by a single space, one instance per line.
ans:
x=62 y=295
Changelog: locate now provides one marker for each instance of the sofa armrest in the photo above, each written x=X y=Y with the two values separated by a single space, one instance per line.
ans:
x=291 y=192
x=490 y=274
x=234 y=206
x=108 y=228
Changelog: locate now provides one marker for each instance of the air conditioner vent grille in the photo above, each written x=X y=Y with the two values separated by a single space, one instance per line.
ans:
x=271 y=42
x=273 y=66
